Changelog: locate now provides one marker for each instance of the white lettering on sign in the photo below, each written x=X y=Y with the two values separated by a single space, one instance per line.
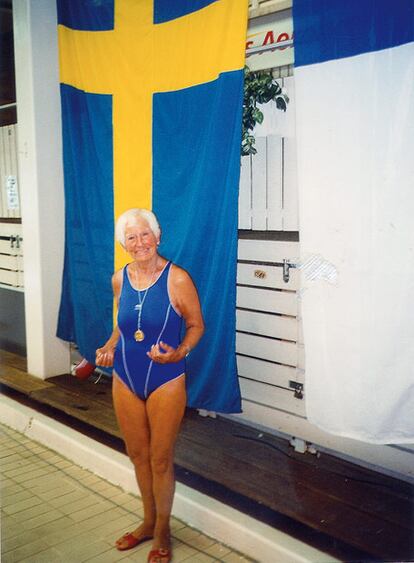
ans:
x=265 y=30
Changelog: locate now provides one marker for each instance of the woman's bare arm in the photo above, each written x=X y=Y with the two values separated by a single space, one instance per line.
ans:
x=185 y=300
x=105 y=355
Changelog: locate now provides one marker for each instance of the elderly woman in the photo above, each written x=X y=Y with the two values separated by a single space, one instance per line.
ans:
x=154 y=296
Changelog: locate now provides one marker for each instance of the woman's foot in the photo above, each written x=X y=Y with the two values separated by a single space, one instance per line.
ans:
x=161 y=555
x=161 y=549
x=132 y=539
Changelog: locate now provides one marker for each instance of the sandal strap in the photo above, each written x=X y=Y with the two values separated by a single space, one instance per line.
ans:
x=131 y=541
x=159 y=553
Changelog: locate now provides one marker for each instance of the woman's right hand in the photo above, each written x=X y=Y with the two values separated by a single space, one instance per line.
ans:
x=105 y=356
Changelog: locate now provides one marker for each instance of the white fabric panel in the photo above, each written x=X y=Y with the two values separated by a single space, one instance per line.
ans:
x=355 y=131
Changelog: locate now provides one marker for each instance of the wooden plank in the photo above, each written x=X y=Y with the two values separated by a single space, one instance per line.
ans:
x=10 y=278
x=285 y=484
x=6 y=248
x=13 y=373
x=388 y=498
x=8 y=229
x=267 y=300
x=268 y=372
x=10 y=247
x=100 y=392
x=271 y=396
x=9 y=359
x=259 y=203
x=380 y=456
x=9 y=262
x=245 y=194
x=267 y=325
x=21 y=381
x=266 y=276
x=78 y=405
x=274 y=183
x=229 y=426
x=266 y=348
x=268 y=250
x=83 y=400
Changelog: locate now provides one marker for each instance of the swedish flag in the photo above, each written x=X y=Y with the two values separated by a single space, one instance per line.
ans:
x=151 y=107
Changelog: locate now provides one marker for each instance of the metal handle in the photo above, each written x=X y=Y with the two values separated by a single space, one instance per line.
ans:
x=286 y=267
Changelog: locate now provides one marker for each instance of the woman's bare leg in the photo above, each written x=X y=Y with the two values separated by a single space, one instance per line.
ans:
x=165 y=410
x=132 y=418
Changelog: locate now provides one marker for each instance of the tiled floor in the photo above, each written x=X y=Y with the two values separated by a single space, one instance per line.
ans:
x=54 y=511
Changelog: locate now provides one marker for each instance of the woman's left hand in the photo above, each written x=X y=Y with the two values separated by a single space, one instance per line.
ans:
x=167 y=355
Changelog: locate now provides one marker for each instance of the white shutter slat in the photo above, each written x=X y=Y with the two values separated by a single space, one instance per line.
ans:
x=259 y=204
x=9 y=262
x=5 y=248
x=270 y=396
x=260 y=347
x=283 y=302
x=8 y=229
x=274 y=183
x=11 y=259
x=245 y=190
x=252 y=274
x=267 y=325
x=10 y=278
x=268 y=250
x=267 y=372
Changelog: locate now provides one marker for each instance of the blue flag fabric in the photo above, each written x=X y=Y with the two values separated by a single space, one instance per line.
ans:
x=190 y=178
x=200 y=224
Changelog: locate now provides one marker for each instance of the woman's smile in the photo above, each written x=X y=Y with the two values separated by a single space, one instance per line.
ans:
x=140 y=241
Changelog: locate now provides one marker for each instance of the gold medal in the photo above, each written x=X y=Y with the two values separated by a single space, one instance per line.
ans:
x=139 y=335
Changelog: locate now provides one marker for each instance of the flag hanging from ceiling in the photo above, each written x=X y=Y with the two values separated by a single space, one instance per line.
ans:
x=354 y=80
x=151 y=108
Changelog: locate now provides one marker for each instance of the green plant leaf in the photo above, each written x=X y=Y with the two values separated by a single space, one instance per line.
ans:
x=259 y=88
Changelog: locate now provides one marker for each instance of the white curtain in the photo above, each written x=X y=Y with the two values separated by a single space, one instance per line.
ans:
x=355 y=134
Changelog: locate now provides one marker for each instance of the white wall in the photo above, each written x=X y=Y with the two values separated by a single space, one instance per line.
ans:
x=41 y=180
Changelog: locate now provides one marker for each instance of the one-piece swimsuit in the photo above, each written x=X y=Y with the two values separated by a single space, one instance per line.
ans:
x=159 y=322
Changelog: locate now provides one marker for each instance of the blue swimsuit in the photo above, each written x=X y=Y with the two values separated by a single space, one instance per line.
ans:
x=159 y=321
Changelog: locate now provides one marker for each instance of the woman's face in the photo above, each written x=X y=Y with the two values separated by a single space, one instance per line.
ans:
x=140 y=241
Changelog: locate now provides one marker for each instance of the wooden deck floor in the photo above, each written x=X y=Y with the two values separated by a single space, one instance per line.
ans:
x=350 y=512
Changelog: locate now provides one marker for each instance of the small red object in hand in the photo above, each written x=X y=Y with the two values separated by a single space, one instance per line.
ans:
x=84 y=369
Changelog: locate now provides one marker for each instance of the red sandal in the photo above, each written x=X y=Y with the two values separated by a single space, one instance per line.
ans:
x=156 y=554
x=131 y=540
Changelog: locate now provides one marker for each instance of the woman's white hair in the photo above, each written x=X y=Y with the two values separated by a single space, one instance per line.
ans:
x=130 y=218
